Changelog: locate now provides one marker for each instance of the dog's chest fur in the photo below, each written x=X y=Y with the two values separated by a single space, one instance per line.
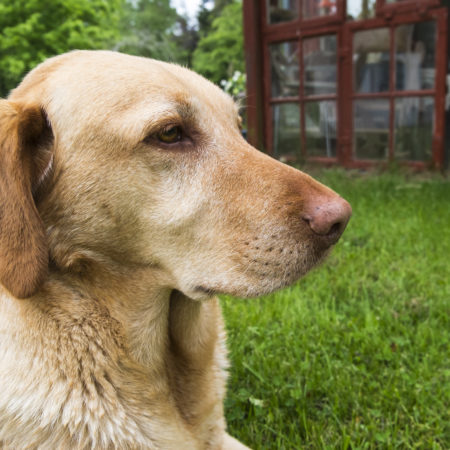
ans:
x=73 y=376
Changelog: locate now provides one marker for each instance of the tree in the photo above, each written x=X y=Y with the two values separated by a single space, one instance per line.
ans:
x=33 y=30
x=221 y=52
x=206 y=15
x=186 y=39
x=149 y=29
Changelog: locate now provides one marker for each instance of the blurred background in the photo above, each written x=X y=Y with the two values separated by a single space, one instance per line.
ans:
x=357 y=83
x=201 y=34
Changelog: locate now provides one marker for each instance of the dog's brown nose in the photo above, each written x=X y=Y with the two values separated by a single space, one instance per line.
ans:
x=328 y=217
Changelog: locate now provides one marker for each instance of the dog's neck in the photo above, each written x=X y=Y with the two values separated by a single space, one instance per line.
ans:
x=175 y=338
x=137 y=299
x=156 y=333
x=155 y=318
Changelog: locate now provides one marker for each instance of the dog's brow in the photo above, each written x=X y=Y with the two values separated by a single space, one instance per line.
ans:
x=180 y=112
x=186 y=110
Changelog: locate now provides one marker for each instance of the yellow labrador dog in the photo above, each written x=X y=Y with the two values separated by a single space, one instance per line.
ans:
x=128 y=200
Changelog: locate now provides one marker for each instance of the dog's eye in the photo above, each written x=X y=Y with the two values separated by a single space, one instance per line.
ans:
x=170 y=135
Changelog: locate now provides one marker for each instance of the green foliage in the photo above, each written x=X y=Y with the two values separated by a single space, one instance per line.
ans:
x=33 y=30
x=186 y=39
x=356 y=355
x=206 y=14
x=221 y=52
x=148 y=28
x=235 y=85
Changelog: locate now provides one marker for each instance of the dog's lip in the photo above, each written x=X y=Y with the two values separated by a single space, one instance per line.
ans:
x=205 y=290
x=294 y=273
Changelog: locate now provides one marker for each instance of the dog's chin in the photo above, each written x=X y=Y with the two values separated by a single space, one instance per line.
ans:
x=248 y=286
x=201 y=293
x=286 y=276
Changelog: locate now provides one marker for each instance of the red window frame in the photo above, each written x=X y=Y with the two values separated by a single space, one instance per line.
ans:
x=301 y=98
x=259 y=35
x=438 y=93
x=388 y=10
x=300 y=21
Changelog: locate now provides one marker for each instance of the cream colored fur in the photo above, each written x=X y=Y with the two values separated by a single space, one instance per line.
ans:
x=117 y=342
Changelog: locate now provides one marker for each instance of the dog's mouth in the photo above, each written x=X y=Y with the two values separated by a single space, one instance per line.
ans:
x=206 y=291
x=259 y=273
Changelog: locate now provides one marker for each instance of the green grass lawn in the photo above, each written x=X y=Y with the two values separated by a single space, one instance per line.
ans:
x=357 y=354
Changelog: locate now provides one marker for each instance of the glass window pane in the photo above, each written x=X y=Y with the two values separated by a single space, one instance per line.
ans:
x=360 y=9
x=284 y=69
x=286 y=130
x=318 y=8
x=319 y=55
x=320 y=128
x=415 y=56
x=371 y=128
x=281 y=10
x=399 y=1
x=371 y=60
x=413 y=128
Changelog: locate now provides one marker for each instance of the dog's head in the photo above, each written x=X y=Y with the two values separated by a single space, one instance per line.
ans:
x=131 y=161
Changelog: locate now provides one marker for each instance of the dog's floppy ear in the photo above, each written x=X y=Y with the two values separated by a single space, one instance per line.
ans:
x=23 y=247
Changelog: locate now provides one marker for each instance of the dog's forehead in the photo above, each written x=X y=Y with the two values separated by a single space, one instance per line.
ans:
x=103 y=80
x=102 y=93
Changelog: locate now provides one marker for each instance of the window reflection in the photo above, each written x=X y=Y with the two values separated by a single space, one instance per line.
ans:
x=320 y=128
x=281 y=10
x=397 y=1
x=371 y=128
x=286 y=130
x=284 y=69
x=319 y=55
x=318 y=8
x=360 y=9
x=415 y=56
x=371 y=60
x=413 y=128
